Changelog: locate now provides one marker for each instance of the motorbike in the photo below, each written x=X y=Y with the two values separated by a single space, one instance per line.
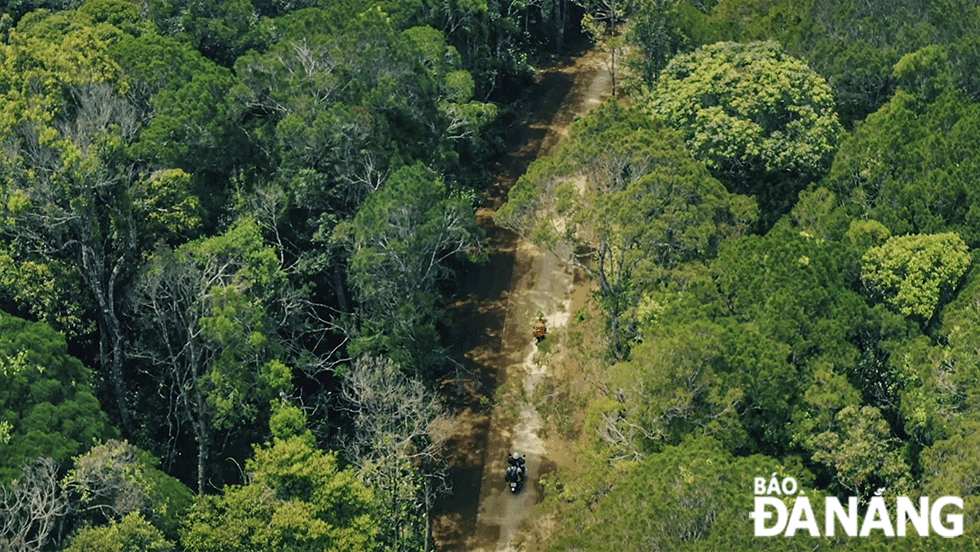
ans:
x=516 y=476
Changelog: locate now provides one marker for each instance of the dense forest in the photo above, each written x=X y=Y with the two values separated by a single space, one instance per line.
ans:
x=228 y=229
x=227 y=234
x=779 y=217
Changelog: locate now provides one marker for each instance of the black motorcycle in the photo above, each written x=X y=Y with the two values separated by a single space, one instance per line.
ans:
x=516 y=473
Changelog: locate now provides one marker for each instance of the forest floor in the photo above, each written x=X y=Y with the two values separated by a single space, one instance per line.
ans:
x=493 y=315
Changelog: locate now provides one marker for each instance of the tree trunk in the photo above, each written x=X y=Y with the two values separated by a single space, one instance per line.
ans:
x=93 y=269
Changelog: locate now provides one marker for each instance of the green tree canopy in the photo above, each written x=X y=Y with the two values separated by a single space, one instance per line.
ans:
x=401 y=242
x=693 y=496
x=115 y=480
x=296 y=499
x=762 y=121
x=130 y=534
x=209 y=312
x=46 y=400
x=911 y=166
x=623 y=199
x=916 y=274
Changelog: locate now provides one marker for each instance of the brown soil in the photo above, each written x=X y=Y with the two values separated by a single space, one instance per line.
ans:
x=499 y=366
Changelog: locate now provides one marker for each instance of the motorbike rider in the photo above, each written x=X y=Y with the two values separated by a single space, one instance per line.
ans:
x=518 y=461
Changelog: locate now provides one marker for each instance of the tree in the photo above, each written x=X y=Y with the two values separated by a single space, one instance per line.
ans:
x=910 y=166
x=916 y=274
x=655 y=30
x=46 y=399
x=209 y=312
x=670 y=389
x=132 y=533
x=861 y=452
x=626 y=202
x=30 y=507
x=296 y=499
x=115 y=480
x=762 y=121
x=693 y=496
x=401 y=242
x=396 y=445
x=64 y=175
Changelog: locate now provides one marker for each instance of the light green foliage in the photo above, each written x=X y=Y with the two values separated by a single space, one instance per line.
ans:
x=121 y=14
x=852 y=44
x=401 y=241
x=46 y=402
x=286 y=421
x=47 y=53
x=862 y=453
x=130 y=534
x=208 y=314
x=916 y=274
x=748 y=110
x=115 y=480
x=693 y=496
x=169 y=210
x=623 y=187
x=45 y=291
x=950 y=394
x=296 y=500
x=671 y=388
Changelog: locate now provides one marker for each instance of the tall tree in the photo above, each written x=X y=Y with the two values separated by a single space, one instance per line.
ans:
x=626 y=202
x=31 y=508
x=46 y=398
x=396 y=446
x=296 y=499
x=209 y=312
x=401 y=242
x=761 y=120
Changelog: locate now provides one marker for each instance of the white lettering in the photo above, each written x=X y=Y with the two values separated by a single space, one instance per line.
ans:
x=907 y=512
x=760 y=514
x=773 y=485
x=877 y=518
x=848 y=522
x=789 y=489
x=760 y=485
x=955 y=520
x=802 y=509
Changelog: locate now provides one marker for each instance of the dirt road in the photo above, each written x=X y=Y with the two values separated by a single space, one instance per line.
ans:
x=494 y=314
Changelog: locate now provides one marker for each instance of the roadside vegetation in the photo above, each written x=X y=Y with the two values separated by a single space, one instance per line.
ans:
x=780 y=222
x=227 y=230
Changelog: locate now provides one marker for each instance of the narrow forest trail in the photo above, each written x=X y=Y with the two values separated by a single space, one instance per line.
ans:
x=493 y=341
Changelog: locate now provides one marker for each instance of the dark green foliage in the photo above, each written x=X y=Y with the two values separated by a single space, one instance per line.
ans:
x=401 y=242
x=694 y=496
x=47 y=408
x=209 y=312
x=911 y=166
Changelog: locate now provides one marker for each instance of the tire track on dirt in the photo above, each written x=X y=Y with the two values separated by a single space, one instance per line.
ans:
x=494 y=342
